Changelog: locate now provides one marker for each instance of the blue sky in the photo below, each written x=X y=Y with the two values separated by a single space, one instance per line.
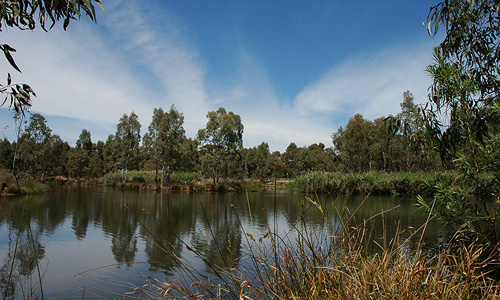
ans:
x=295 y=71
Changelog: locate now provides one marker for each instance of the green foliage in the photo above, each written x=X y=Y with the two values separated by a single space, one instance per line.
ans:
x=257 y=162
x=221 y=144
x=353 y=143
x=127 y=138
x=393 y=143
x=9 y=184
x=84 y=141
x=6 y=153
x=402 y=183
x=471 y=42
x=7 y=181
x=116 y=178
x=86 y=159
x=185 y=177
x=39 y=152
x=31 y=186
x=164 y=140
x=462 y=118
x=299 y=160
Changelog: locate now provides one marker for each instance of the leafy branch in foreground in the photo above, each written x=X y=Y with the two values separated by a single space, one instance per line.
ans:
x=25 y=15
x=462 y=118
x=19 y=95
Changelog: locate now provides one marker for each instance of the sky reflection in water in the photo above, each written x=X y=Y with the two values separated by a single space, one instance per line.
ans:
x=108 y=234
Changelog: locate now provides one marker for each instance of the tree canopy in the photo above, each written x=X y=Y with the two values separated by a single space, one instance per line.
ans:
x=222 y=142
x=164 y=138
x=472 y=40
x=462 y=116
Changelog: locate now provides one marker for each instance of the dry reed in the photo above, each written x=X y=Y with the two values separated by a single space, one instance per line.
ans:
x=320 y=264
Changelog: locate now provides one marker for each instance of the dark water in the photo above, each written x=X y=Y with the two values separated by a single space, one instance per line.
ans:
x=111 y=239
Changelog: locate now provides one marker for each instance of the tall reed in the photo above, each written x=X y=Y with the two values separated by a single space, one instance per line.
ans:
x=331 y=261
x=402 y=183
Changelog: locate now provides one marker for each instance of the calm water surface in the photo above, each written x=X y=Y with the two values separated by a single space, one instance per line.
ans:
x=110 y=238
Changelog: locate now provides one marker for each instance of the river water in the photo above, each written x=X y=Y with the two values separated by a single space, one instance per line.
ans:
x=103 y=241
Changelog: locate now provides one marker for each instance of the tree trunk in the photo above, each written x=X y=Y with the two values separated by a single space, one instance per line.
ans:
x=162 y=172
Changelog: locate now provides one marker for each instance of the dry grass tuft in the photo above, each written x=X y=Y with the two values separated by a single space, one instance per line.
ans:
x=318 y=264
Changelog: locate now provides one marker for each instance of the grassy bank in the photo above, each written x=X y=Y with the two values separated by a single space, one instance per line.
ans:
x=331 y=262
x=10 y=186
x=421 y=183
x=183 y=181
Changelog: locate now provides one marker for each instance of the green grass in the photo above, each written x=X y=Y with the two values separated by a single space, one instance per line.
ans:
x=32 y=186
x=179 y=181
x=421 y=183
x=147 y=180
x=185 y=177
x=147 y=176
x=26 y=186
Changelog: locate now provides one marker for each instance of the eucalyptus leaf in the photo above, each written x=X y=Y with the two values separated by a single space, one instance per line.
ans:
x=9 y=57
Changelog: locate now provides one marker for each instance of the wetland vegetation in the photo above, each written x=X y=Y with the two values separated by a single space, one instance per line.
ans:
x=446 y=153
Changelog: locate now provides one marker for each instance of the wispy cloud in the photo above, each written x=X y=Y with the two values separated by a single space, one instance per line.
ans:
x=370 y=83
x=137 y=59
x=164 y=56
x=97 y=75
x=266 y=117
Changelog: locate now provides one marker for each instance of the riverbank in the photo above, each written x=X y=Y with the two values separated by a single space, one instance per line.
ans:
x=187 y=182
x=10 y=187
x=381 y=183
x=375 y=183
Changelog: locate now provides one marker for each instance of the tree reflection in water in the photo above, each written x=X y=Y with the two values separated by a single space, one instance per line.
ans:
x=79 y=229
x=21 y=269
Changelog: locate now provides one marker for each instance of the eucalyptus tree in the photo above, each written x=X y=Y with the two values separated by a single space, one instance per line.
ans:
x=26 y=15
x=221 y=144
x=84 y=159
x=112 y=154
x=321 y=158
x=471 y=42
x=127 y=139
x=277 y=166
x=84 y=141
x=164 y=139
x=466 y=85
x=6 y=154
x=33 y=144
x=258 y=162
x=462 y=115
x=190 y=158
x=289 y=159
x=354 y=144
x=418 y=151
x=40 y=152
x=79 y=157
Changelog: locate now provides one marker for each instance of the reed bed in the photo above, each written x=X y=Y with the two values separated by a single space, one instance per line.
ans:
x=148 y=178
x=416 y=183
x=10 y=185
x=332 y=261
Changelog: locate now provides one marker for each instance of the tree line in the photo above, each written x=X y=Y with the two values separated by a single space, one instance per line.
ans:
x=392 y=143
